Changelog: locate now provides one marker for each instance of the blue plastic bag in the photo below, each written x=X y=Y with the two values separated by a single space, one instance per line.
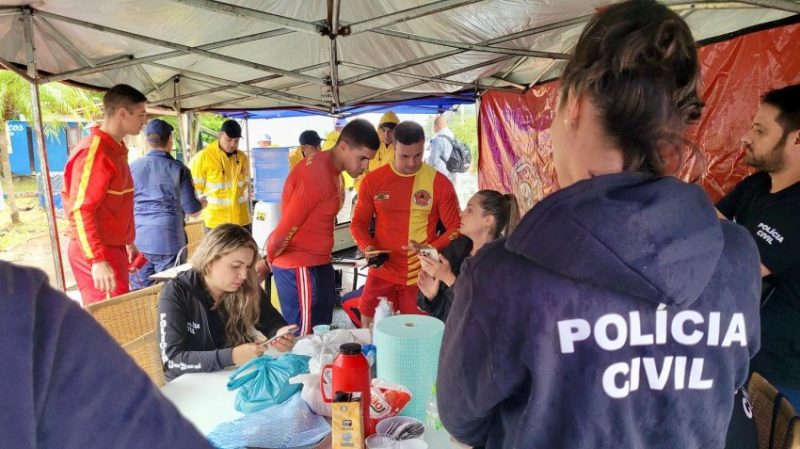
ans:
x=288 y=425
x=264 y=381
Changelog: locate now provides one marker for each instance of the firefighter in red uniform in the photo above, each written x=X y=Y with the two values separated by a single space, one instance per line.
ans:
x=98 y=196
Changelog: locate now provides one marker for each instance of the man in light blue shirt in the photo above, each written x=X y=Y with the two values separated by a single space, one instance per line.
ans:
x=440 y=147
x=163 y=194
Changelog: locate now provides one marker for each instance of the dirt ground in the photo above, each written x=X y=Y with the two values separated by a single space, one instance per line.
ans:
x=28 y=244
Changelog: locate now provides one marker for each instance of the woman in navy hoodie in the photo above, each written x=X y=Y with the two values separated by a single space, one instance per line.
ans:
x=621 y=313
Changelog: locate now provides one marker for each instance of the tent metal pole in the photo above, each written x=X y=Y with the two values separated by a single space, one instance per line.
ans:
x=183 y=49
x=333 y=22
x=118 y=62
x=204 y=107
x=160 y=87
x=245 y=87
x=417 y=83
x=249 y=160
x=38 y=126
x=148 y=79
x=471 y=47
x=424 y=59
x=64 y=42
x=241 y=11
x=217 y=81
x=176 y=106
x=261 y=91
x=21 y=73
x=405 y=15
x=191 y=135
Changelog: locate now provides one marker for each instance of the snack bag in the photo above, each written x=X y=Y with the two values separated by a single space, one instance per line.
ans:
x=386 y=400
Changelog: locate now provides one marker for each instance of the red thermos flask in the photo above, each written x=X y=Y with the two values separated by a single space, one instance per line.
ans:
x=350 y=374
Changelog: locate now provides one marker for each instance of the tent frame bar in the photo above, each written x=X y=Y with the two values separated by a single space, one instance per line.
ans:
x=38 y=126
x=437 y=56
x=438 y=80
x=248 y=13
x=245 y=87
x=118 y=62
x=334 y=7
x=417 y=83
x=404 y=15
x=472 y=47
x=182 y=49
x=19 y=72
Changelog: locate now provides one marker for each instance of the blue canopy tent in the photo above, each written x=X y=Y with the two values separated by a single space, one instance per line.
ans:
x=429 y=105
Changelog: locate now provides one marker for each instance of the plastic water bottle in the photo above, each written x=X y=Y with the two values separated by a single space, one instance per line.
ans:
x=435 y=434
x=384 y=309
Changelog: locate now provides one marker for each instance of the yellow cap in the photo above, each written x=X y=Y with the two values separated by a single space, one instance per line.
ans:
x=388 y=117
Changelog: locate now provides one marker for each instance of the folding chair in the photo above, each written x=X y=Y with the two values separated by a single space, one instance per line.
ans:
x=777 y=422
x=194 y=234
x=129 y=316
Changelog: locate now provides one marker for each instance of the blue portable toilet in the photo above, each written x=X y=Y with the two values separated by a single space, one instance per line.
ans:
x=24 y=157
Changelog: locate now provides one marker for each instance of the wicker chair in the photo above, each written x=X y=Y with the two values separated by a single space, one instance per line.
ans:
x=194 y=233
x=144 y=351
x=776 y=420
x=129 y=316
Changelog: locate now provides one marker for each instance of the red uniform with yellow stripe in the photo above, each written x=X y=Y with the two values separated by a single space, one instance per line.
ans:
x=406 y=207
x=98 y=199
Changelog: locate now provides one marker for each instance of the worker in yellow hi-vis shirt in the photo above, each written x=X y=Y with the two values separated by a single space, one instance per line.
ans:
x=221 y=174
x=385 y=153
x=309 y=145
x=330 y=141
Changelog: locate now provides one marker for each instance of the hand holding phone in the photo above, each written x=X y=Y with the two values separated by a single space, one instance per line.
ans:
x=429 y=252
x=288 y=330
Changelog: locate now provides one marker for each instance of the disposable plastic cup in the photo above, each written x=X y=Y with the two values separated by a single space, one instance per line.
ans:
x=321 y=329
x=393 y=426
x=412 y=444
x=378 y=441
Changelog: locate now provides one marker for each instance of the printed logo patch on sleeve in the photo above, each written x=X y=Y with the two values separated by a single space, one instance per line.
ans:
x=381 y=196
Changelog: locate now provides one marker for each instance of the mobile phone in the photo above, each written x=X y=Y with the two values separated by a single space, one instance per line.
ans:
x=429 y=252
x=289 y=331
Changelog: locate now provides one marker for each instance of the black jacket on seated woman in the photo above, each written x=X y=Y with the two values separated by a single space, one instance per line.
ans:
x=215 y=315
x=193 y=334
x=488 y=215
x=439 y=305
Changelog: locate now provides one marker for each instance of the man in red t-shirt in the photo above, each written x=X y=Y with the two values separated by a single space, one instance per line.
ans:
x=299 y=249
x=407 y=199
x=98 y=198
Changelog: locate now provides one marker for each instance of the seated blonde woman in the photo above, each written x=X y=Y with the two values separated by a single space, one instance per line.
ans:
x=215 y=315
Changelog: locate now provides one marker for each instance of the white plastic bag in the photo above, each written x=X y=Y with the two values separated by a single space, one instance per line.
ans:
x=312 y=394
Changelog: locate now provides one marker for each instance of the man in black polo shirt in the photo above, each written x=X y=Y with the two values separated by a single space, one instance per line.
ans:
x=767 y=203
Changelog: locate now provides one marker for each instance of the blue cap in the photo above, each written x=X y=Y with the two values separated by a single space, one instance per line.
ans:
x=157 y=132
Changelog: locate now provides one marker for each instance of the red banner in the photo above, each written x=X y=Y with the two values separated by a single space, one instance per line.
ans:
x=515 y=152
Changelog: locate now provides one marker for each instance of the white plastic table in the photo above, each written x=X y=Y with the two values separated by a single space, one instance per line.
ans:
x=204 y=399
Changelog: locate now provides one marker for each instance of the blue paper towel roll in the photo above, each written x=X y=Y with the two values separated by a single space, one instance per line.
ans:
x=408 y=354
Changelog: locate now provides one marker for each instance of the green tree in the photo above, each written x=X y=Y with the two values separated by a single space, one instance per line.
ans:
x=56 y=100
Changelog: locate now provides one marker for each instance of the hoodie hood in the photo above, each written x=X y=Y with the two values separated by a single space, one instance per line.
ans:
x=627 y=233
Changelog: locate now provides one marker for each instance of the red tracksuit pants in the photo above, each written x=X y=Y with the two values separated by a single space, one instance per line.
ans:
x=82 y=269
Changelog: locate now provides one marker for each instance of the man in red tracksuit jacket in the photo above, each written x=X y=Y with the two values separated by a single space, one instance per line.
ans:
x=98 y=197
